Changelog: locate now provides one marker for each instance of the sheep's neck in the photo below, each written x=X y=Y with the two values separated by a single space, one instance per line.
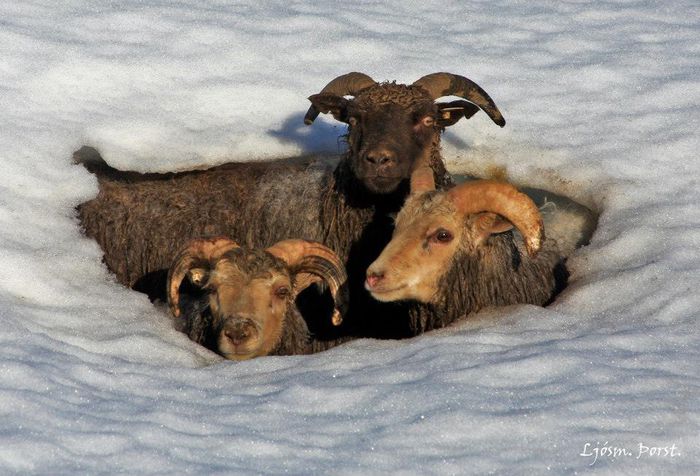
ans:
x=498 y=274
x=443 y=179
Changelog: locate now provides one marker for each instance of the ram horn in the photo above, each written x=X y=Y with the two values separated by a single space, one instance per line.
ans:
x=346 y=85
x=200 y=252
x=422 y=176
x=422 y=180
x=309 y=261
x=505 y=200
x=448 y=84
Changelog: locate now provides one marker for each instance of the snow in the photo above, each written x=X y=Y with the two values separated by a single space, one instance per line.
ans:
x=601 y=101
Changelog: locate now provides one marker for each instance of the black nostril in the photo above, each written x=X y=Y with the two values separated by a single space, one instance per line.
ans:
x=239 y=331
x=379 y=158
x=237 y=336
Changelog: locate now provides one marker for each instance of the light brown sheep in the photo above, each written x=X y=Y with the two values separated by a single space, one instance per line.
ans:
x=454 y=252
x=239 y=302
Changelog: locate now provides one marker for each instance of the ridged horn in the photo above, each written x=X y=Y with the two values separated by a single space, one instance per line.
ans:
x=504 y=199
x=312 y=258
x=422 y=180
x=448 y=84
x=199 y=252
x=346 y=85
x=423 y=176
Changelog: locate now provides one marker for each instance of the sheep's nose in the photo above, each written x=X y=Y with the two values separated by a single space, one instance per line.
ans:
x=373 y=278
x=237 y=336
x=239 y=331
x=380 y=157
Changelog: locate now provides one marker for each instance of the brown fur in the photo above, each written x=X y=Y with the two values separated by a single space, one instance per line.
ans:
x=483 y=265
x=140 y=221
x=497 y=274
x=381 y=94
x=239 y=287
x=387 y=117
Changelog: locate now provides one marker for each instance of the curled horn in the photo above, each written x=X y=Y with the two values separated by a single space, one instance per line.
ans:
x=347 y=84
x=505 y=200
x=448 y=84
x=309 y=261
x=198 y=252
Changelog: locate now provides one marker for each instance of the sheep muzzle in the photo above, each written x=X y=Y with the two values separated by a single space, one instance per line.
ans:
x=239 y=338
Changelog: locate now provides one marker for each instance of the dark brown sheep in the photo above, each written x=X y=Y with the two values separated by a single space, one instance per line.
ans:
x=141 y=221
x=391 y=125
x=453 y=252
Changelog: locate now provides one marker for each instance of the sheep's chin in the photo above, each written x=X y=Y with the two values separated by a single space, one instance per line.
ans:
x=399 y=292
x=412 y=290
x=382 y=185
x=241 y=352
x=237 y=355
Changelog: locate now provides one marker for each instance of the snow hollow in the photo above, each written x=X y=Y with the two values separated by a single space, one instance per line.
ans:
x=601 y=101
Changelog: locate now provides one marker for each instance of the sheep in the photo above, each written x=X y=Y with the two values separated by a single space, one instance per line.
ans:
x=240 y=302
x=141 y=220
x=453 y=253
x=390 y=125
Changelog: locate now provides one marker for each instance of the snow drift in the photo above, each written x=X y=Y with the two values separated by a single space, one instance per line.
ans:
x=602 y=104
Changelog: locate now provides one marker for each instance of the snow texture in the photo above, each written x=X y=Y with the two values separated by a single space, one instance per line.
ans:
x=601 y=100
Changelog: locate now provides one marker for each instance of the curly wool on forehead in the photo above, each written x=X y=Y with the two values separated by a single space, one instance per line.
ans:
x=382 y=94
x=254 y=263
x=433 y=203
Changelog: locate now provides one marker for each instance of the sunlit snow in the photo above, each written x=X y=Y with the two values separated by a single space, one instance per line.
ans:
x=601 y=100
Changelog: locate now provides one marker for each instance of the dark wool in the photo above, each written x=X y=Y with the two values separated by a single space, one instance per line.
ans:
x=406 y=97
x=496 y=274
x=381 y=94
x=142 y=220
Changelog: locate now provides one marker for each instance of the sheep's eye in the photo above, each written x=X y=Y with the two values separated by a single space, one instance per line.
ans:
x=442 y=236
x=428 y=121
x=282 y=292
x=352 y=121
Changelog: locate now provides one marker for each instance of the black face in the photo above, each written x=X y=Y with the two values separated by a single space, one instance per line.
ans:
x=385 y=143
x=385 y=137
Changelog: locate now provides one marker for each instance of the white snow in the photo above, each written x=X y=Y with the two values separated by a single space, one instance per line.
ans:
x=601 y=100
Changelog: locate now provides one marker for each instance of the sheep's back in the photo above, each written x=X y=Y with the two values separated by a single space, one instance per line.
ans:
x=141 y=222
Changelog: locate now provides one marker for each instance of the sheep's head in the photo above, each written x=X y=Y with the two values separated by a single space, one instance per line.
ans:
x=432 y=227
x=391 y=125
x=250 y=292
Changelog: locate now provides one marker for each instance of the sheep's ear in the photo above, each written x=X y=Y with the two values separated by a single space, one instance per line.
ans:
x=451 y=112
x=198 y=276
x=330 y=103
x=487 y=224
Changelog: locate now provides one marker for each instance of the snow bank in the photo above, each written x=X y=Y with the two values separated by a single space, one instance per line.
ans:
x=601 y=103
